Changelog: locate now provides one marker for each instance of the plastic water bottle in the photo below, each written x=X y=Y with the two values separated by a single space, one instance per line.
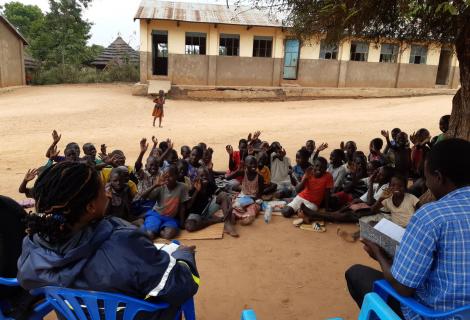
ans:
x=268 y=213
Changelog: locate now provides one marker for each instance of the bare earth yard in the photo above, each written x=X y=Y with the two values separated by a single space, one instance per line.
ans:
x=280 y=271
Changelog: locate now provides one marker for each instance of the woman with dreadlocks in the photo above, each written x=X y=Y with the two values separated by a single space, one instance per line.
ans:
x=71 y=244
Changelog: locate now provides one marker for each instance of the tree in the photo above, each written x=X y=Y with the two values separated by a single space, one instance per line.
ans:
x=26 y=18
x=62 y=38
x=410 y=20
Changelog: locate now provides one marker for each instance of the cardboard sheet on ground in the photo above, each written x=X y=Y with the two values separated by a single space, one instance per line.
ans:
x=215 y=231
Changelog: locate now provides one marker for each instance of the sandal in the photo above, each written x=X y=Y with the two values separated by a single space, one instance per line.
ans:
x=316 y=227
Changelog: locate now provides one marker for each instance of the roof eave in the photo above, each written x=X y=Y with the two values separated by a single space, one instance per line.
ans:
x=217 y=23
x=12 y=27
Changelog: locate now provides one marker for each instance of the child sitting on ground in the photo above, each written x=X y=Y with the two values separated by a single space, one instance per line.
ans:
x=168 y=214
x=234 y=162
x=349 y=149
x=390 y=143
x=354 y=185
x=398 y=202
x=193 y=162
x=204 y=203
x=280 y=168
x=264 y=171
x=312 y=191
x=90 y=155
x=245 y=207
x=444 y=127
x=182 y=166
x=337 y=169
x=375 y=148
x=419 y=150
x=185 y=152
x=401 y=155
x=302 y=163
x=119 y=195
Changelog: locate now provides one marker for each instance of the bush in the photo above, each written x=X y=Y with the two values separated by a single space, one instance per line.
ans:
x=84 y=74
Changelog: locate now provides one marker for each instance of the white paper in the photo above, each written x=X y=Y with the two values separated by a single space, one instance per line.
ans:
x=390 y=229
x=169 y=248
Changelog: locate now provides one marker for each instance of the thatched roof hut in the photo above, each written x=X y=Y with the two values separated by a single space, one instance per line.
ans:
x=118 y=52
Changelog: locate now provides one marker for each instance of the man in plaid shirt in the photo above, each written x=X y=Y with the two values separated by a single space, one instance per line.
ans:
x=433 y=261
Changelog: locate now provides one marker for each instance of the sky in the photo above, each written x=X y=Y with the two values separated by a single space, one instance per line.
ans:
x=110 y=18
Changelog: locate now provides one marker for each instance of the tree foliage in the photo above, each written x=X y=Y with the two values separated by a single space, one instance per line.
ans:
x=26 y=18
x=62 y=38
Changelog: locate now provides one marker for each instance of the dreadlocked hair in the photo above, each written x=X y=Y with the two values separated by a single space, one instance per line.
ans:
x=62 y=193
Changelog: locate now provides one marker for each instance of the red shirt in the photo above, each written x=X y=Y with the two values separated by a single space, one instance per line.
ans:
x=315 y=188
x=236 y=159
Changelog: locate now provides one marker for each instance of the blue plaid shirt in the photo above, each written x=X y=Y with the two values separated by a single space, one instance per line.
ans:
x=434 y=255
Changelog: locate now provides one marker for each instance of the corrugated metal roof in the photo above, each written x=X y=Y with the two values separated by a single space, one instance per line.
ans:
x=12 y=27
x=203 y=12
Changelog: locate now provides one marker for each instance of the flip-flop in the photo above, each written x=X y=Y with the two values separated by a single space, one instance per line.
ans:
x=298 y=222
x=315 y=227
x=320 y=222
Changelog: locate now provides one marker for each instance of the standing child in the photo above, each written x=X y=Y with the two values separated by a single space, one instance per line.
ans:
x=158 y=108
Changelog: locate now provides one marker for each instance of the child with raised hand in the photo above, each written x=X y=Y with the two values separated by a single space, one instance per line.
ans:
x=90 y=153
x=145 y=176
x=393 y=141
x=235 y=158
x=168 y=214
x=245 y=207
x=421 y=140
x=70 y=231
x=202 y=206
x=119 y=195
x=29 y=176
x=158 y=108
x=312 y=191
x=398 y=202
x=280 y=170
x=401 y=155
x=336 y=168
x=302 y=163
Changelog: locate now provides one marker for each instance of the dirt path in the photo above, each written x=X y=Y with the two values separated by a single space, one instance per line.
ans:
x=280 y=271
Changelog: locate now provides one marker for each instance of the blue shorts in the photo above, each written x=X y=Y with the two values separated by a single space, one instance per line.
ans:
x=154 y=222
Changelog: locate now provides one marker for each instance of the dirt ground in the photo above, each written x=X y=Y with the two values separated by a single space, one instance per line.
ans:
x=280 y=271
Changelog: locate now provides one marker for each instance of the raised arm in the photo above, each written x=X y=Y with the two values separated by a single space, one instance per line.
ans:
x=143 y=149
x=30 y=175
x=55 y=140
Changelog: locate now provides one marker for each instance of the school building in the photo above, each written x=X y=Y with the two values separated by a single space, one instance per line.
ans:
x=12 y=66
x=208 y=44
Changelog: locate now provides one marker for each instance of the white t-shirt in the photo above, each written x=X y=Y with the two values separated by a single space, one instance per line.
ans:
x=401 y=215
x=338 y=174
x=377 y=192
x=280 y=170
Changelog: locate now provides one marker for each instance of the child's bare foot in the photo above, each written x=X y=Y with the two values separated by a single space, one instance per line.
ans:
x=230 y=229
x=346 y=236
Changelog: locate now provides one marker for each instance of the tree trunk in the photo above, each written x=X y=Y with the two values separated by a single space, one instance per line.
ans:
x=460 y=118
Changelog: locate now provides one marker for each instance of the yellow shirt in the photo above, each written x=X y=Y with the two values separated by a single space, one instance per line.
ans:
x=106 y=172
x=266 y=174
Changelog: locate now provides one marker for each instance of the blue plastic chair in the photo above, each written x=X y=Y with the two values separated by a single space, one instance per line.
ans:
x=76 y=304
x=40 y=310
x=374 y=307
x=248 y=315
x=384 y=289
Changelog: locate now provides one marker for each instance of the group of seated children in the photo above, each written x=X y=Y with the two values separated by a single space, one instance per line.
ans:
x=172 y=191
